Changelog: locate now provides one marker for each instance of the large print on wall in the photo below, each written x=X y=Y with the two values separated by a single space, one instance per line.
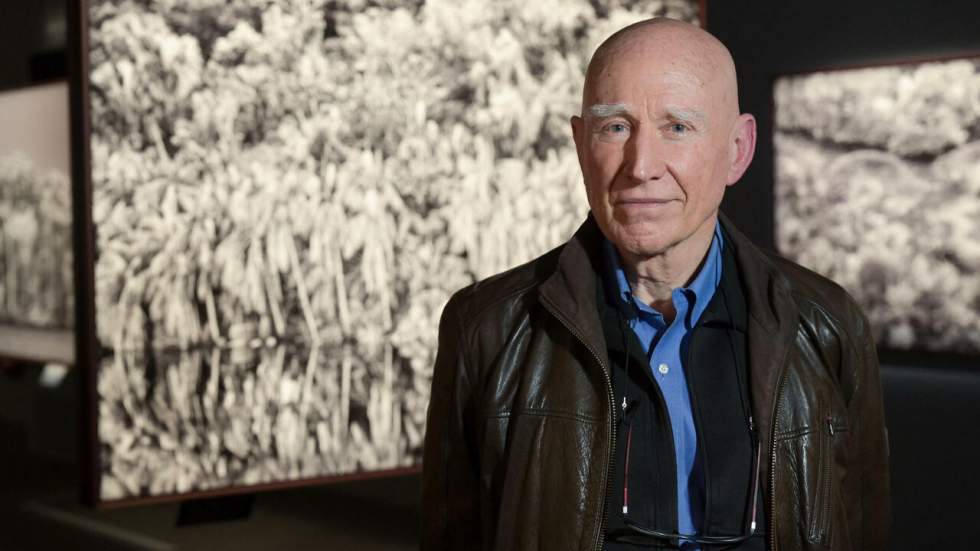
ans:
x=36 y=279
x=878 y=187
x=285 y=194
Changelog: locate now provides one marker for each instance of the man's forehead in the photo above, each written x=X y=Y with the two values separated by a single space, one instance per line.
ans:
x=669 y=59
x=668 y=89
x=651 y=74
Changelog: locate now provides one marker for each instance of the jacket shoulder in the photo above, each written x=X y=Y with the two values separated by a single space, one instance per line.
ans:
x=814 y=291
x=497 y=294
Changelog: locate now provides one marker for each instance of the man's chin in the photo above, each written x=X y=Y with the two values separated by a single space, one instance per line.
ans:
x=641 y=244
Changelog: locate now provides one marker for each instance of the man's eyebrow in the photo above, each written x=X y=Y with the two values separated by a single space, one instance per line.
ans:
x=691 y=115
x=601 y=110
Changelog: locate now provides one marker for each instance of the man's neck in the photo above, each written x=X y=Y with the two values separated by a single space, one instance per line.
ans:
x=654 y=278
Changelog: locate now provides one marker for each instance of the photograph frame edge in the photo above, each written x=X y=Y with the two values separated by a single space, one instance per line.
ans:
x=83 y=247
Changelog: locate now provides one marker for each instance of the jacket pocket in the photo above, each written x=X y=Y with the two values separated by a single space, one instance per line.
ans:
x=821 y=510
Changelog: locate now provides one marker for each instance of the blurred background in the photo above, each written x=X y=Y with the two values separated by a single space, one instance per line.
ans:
x=930 y=397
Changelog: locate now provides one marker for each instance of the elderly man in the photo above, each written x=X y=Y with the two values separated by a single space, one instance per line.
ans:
x=657 y=381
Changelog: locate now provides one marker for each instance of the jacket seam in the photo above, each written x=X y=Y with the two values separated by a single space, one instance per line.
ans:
x=476 y=316
x=806 y=429
x=539 y=412
x=795 y=433
x=842 y=329
x=465 y=338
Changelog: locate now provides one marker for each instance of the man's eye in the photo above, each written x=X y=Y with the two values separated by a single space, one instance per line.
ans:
x=617 y=128
x=678 y=128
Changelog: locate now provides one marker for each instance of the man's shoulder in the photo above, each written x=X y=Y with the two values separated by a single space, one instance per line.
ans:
x=807 y=284
x=813 y=293
x=818 y=294
x=498 y=294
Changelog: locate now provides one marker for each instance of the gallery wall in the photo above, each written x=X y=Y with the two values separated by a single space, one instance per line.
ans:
x=928 y=397
x=32 y=37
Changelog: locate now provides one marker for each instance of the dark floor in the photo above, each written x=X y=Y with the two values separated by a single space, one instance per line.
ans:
x=40 y=507
x=318 y=518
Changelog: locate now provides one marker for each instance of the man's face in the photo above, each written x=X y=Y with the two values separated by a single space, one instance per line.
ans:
x=656 y=147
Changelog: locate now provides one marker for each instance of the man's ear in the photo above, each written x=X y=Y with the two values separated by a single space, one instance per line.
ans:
x=578 y=128
x=742 y=147
x=580 y=139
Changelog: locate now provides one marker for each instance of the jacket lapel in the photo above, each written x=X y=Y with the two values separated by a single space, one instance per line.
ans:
x=772 y=324
x=570 y=291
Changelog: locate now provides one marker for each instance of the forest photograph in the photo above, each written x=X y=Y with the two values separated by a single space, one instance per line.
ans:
x=36 y=278
x=286 y=193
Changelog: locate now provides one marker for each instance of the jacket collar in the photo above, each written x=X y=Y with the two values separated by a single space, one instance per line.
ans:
x=767 y=291
x=570 y=286
x=725 y=309
x=570 y=289
x=772 y=312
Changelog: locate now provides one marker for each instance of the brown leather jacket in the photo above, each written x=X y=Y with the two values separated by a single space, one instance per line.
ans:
x=520 y=423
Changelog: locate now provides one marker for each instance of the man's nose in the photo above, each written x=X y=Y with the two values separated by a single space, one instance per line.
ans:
x=645 y=156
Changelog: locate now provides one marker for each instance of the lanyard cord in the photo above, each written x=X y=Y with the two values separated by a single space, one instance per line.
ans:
x=626 y=362
x=743 y=385
x=625 y=406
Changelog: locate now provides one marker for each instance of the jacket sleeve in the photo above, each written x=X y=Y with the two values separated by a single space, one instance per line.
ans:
x=450 y=512
x=870 y=442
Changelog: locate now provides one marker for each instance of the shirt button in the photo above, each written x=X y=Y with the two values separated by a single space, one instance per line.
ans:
x=663 y=369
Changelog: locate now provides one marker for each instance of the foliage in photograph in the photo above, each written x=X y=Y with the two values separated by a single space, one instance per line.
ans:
x=36 y=279
x=318 y=175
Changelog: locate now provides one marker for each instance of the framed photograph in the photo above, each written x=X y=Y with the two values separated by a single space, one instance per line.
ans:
x=36 y=278
x=281 y=198
x=878 y=188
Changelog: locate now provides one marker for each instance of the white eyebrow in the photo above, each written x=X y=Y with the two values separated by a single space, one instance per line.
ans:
x=601 y=110
x=685 y=114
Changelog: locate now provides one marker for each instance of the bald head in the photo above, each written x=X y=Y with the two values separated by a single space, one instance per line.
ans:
x=666 y=44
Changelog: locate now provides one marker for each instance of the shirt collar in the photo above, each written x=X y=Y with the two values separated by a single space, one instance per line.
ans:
x=699 y=291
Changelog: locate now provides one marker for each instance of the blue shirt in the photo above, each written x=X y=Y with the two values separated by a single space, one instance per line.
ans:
x=666 y=347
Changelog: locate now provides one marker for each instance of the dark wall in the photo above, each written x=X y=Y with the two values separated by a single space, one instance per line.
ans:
x=32 y=39
x=931 y=404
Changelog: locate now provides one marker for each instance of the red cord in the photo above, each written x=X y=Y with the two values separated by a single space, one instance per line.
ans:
x=626 y=471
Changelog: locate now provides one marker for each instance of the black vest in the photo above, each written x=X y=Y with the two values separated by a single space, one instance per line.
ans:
x=716 y=367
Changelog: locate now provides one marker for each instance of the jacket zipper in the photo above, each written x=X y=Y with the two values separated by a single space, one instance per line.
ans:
x=612 y=421
x=771 y=526
x=827 y=455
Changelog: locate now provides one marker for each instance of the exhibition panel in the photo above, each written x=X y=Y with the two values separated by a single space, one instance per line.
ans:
x=877 y=186
x=36 y=288
x=283 y=197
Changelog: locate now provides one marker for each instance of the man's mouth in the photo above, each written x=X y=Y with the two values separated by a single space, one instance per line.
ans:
x=643 y=202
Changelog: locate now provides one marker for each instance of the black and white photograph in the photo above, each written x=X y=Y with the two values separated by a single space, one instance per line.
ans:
x=36 y=278
x=285 y=195
x=878 y=187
